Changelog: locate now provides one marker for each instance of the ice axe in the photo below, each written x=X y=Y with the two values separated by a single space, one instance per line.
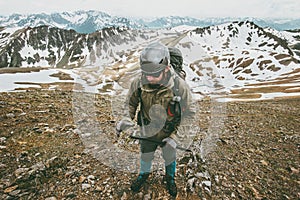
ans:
x=127 y=123
x=158 y=142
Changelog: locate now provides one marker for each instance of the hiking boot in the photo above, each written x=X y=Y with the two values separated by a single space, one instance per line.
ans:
x=138 y=183
x=171 y=186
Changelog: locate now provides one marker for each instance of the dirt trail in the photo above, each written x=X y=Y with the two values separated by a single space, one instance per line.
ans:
x=44 y=156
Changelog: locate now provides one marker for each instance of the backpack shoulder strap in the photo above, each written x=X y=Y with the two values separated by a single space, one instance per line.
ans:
x=140 y=90
x=176 y=86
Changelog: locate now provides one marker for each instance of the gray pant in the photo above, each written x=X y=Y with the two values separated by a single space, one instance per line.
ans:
x=147 y=154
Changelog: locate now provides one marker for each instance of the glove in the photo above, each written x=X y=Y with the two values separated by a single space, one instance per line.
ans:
x=123 y=125
x=170 y=142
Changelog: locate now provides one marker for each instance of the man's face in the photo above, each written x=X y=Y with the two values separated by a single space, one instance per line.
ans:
x=156 y=78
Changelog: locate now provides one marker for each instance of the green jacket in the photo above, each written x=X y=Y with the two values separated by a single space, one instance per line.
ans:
x=155 y=103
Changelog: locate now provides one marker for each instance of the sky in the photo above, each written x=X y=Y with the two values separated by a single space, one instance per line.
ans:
x=159 y=8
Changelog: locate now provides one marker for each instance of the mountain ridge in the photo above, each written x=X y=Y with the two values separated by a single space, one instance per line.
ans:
x=220 y=57
x=91 y=21
x=16 y=45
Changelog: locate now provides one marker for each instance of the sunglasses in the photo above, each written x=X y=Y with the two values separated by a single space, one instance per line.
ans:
x=156 y=75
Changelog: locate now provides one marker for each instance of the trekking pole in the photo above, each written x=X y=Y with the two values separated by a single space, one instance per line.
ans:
x=157 y=142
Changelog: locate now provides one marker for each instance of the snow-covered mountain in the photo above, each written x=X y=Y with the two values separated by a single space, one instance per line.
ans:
x=81 y=21
x=55 y=47
x=240 y=53
x=91 y=21
x=216 y=58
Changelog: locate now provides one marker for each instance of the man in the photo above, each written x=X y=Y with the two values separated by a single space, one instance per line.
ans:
x=159 y=109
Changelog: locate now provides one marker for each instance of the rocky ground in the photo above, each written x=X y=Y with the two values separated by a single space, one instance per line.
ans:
x=253 y=155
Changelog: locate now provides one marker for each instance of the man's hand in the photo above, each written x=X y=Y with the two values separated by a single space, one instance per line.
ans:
x=123 y=125
x=170 y=142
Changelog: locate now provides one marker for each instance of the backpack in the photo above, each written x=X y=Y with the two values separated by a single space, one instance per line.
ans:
x=176 y=61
